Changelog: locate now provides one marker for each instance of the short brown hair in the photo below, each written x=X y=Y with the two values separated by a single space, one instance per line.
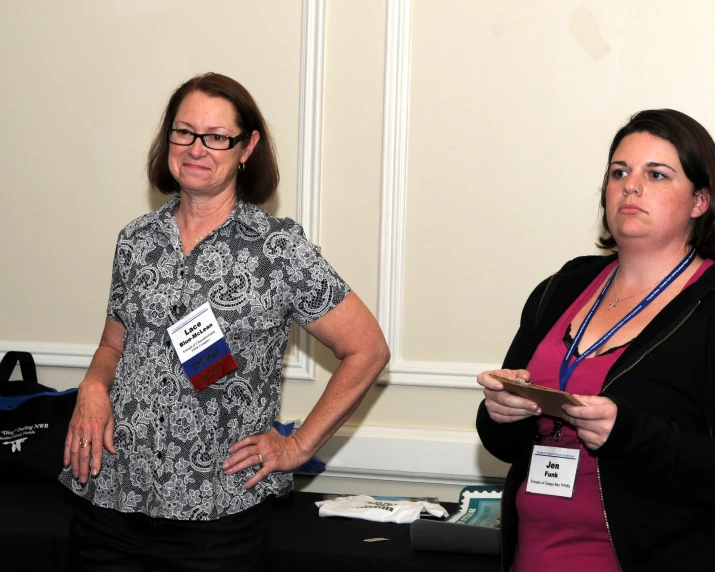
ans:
x=257 y=183
x=696 y=151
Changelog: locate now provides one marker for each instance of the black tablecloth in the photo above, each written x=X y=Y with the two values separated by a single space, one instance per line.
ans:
x=34 y=527
x=301 y=540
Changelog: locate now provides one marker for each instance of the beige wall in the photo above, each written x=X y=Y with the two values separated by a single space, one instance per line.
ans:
x=510 y=111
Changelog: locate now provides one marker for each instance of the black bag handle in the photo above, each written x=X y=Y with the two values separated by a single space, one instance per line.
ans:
x=27 y=366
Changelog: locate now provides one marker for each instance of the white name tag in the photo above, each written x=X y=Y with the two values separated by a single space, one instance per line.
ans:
x=552 y=471
x=201 y=347
x=195 y=332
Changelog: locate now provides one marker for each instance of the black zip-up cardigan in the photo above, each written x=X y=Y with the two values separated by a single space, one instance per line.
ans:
x=657 y=468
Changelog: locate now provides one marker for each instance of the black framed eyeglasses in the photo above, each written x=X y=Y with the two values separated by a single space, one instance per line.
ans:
x=186 y=138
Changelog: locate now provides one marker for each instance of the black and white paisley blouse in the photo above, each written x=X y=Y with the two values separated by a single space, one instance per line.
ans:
x=259 y=273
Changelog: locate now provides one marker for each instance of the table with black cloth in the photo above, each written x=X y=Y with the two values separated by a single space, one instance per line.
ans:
x=301 y=540
x=34 y=530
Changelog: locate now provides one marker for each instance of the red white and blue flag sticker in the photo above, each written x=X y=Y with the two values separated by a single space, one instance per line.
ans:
x=201 y=347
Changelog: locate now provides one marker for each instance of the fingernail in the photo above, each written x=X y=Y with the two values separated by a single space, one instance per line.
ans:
x=225 y=465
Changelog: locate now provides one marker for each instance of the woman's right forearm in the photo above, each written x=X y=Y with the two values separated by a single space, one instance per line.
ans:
x=92 y=425
x=103 y=367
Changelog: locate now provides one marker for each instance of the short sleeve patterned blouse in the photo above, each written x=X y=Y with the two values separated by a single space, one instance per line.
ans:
x=259 y=273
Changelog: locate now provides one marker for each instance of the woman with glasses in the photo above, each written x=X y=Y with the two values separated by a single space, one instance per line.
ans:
x=172 y=446
x=625 y=480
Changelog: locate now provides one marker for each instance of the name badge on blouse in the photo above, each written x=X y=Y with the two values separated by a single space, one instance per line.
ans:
x=552 y=471
x=201 y=347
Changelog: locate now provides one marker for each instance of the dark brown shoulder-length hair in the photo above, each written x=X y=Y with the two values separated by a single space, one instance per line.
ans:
x=696 y=151
x=257 y=183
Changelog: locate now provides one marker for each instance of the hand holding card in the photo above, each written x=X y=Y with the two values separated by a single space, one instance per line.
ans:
x=549 y=400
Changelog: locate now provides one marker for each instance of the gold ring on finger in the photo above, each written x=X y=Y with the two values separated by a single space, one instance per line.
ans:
x=83 y=443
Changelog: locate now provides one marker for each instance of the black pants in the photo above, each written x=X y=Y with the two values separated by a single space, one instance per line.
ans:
x=111 y=541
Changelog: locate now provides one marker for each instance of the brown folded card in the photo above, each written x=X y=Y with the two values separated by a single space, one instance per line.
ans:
x=550 y=400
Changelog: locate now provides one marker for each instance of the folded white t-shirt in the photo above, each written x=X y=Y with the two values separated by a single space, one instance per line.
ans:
x=368 y=508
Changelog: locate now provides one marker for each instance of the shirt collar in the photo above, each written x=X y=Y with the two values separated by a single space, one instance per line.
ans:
x=251 y=217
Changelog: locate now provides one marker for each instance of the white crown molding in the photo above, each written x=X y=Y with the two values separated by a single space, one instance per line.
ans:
x=411 y=455
x=311 y=117
x=424 y=374
x=394 y=173
x=392 y=226
x=454 y=375
x=50 y=354
x=299 y=365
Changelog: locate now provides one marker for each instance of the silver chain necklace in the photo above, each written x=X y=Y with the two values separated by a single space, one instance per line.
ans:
x=618 y=299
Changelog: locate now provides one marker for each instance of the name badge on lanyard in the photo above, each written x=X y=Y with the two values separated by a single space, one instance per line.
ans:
x=552 y=471
x=201 y=347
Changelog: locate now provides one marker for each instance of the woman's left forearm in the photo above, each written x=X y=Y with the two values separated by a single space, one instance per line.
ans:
x=341 y=398
x=355 y=337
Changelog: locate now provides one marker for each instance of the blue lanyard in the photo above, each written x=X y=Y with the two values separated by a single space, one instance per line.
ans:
x=566 y=370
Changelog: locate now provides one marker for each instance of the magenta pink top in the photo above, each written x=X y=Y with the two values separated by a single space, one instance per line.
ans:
x=557 y=533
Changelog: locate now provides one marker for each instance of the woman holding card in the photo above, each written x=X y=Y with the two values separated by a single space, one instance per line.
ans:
x=626 y=480
x=172 y=443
